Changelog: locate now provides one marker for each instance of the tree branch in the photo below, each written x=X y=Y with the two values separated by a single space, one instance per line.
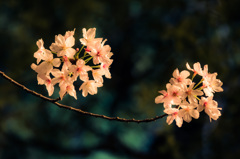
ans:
x=55 y=101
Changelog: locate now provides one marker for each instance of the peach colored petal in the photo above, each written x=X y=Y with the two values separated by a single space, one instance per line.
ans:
x=179 y=121
x=159 y=99
x=175 y=73
x=184 y=74
x=56 y=62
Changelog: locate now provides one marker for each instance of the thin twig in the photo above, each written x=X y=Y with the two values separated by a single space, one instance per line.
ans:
x=55 y=101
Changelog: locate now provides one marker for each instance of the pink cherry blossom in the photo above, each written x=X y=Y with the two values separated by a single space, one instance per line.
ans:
x=80 y=69
x=67 y=88
x=170 y=97
x=173 y=114
x=188 y=111
x=105 y=68
x=100 y=52
x=61 y=77
x=175 y=94
x=180 y=78
x=164 y=98
x=46 y=66
x=211 y=84
x=90 y=87
x=46 y=80
x=40 y=54
x=63 y=46
x=191 y=93
x=97 y=75
x=89 y=37
x=210 y=107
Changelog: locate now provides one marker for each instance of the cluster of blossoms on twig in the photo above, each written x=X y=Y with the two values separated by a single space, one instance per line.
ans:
x=181 y=101
x=63 y=65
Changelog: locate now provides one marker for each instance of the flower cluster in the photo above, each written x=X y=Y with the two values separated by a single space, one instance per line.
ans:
x=181 y=101
x=63 y=65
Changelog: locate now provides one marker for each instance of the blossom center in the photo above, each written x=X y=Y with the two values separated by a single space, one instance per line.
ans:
x=105 y=66
x=65 y=47
x=189 y=92
x=175 y=93
x=48 y=81
x=205 y=104
x=62 y=78
x=79 y=69
x=175 y=114
x=179 y=79
x=98 y=53
x=68 y=87
x=65 y=58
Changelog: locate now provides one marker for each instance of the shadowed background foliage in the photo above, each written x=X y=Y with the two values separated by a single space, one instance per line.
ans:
x=149 y=39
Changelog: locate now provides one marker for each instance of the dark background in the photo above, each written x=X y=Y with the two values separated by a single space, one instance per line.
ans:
x=149 y=39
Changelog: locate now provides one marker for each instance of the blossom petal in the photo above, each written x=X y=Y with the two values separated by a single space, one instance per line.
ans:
x=179 y=121
x=84 y=77
x=197 y=67
x=56 y=62
x=159 y=99
x=40 y=80
x=72 y=91
x=170 y=111
x=184 y=74
x=70 y=52
x=56 y=72
x=194 y=113
x=34 y=66
x=91 y=33
x=55 y=47
x=208 y=92
x=170 y=119
x=175 y=73
x=188 y=67
x=70 y=41
x=83 y=41
x=97 y=75
x=59 y=39
x=187 y=117
x=44 y=68
x=40 y=43
x=62 y=91
x=80 y=62
x=50 y=89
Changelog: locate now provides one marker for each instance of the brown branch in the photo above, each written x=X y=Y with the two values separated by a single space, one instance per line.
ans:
x=54 y=101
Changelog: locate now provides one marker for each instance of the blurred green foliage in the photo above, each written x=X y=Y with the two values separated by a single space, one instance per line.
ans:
x=149 y=39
